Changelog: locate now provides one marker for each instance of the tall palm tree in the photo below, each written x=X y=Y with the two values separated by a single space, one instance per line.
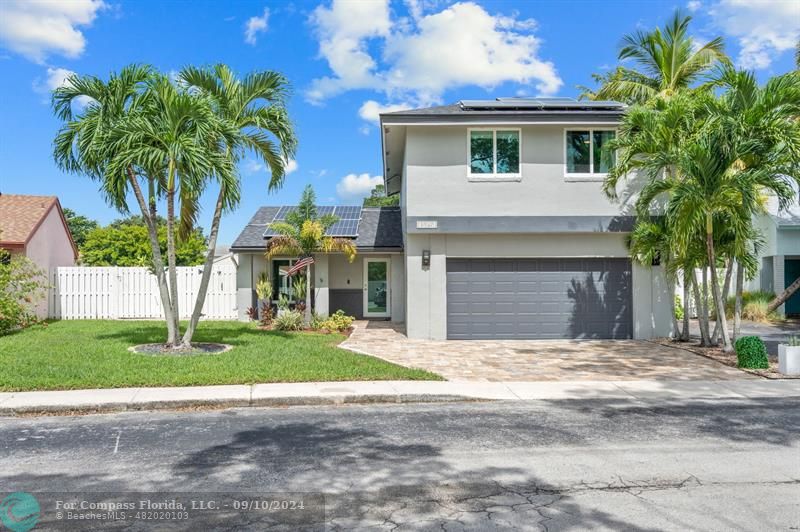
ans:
x=648 y=144
x=713 y=194
x=764 y=120
x=82 y=146
x=302 y=235
x=177 y=136
x=256 y=107
x=665 y=62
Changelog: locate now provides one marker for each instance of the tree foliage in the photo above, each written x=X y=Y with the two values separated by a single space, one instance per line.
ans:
x=665 y=62
x=378 y=198
x=125 y=242
x=79 y=226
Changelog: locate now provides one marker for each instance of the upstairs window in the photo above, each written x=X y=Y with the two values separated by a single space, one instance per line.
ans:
x=494 y=152
x=587 y=152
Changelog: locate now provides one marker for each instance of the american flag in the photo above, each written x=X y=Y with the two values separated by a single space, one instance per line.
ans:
x=299 y=265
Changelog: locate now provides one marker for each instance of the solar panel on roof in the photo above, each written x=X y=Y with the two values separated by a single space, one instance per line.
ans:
x=539 y=104
x=347 y=225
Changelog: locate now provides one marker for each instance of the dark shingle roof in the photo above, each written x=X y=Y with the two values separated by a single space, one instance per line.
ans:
x=379 y=228
x=507 y=110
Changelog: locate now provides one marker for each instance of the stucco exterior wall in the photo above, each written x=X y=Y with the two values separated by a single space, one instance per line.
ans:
x=436 y=181
x=49 y=248
x=426 y=298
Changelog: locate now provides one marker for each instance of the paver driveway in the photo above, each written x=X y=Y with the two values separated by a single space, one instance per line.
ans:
x=536 y=360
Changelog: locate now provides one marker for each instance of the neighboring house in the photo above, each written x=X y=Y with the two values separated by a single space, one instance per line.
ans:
x=35 y=226
x=780 y=254
x=503 y=230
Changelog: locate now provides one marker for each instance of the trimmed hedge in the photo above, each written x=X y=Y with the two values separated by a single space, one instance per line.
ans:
x=751 y=353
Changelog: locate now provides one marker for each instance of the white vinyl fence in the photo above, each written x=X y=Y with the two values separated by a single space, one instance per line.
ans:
x=87 y=293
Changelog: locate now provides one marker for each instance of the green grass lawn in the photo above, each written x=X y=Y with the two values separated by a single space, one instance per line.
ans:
x=94 y=354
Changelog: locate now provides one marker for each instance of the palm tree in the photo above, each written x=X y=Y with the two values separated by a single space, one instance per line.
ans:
x=714 y=194
x=256 y=107
x=176 y=136
x=666 y=62
x=648 y=144
x=82 y=146
x=765 y=122
x=303 y=234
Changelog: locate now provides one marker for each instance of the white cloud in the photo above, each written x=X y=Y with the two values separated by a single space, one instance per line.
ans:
x=371 y=110
x=37 y=28
x=356 y=186
x=763 y=28
x=254 y=26
x=693 y=5
x=364 y=129
x=253 y=166
x=460 y=45
x=55 y=78
x=290 y=166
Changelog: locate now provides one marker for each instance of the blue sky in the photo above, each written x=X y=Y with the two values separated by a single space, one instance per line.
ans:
x=346 y=61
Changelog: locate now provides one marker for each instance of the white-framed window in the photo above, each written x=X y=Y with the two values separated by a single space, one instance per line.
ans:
x=586 y=152
x=494 y=152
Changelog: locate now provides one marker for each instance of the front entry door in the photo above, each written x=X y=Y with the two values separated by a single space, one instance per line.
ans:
x=376 y=288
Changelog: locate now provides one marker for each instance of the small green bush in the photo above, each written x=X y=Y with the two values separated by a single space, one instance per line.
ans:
x=22 y=286
x=290 y=320
x=338 y=321
x=678 y=308
x=751 y=353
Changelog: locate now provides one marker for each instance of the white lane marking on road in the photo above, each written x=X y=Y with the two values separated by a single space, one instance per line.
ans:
x=116 y=445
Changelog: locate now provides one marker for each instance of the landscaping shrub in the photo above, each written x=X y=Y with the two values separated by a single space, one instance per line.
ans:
x=22 y=285
x=265 y=316
x=754 y=306
x=291 y=320
x=751 y=353
x=678 y=308
x=338 y=321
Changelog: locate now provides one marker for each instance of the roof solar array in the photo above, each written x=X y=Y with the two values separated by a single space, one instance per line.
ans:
x=346 y=226
x=539 y=103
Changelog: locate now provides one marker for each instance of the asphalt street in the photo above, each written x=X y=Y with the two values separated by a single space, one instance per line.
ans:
x=539 y=465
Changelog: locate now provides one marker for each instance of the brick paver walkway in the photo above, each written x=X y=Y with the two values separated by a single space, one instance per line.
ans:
x=536 y=360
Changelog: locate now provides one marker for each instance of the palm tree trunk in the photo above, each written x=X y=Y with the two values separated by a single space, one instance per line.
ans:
x=675 y=329
x=737 y=307
x=308 y=295
x=702 y=318
x=208 y=265
x=786 y=294
x=723 y=322
x=726 y=290
x=686 y=291
x=158 y=260
x=173 y=272
x=706 y=309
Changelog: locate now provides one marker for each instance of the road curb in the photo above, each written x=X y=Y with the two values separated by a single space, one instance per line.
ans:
x=213 y=404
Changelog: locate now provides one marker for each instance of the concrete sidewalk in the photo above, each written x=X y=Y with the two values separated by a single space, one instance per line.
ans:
x=328 y=393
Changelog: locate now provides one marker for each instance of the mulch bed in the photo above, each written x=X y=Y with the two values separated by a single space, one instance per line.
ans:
x=199 y=348
x=307 y=330
x=729 y=359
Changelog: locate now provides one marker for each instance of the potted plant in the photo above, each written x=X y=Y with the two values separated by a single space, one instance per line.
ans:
x=789 y=356
x=264 y=291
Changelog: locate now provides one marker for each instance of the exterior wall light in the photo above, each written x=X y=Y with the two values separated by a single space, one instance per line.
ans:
x=426 y=258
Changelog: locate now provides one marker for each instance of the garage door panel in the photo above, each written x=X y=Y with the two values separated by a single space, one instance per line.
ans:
x=539 y=298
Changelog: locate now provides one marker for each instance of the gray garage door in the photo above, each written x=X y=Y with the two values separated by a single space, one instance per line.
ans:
x=538 y=298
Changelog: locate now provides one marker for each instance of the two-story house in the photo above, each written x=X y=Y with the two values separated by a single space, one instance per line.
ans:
x=503 y=230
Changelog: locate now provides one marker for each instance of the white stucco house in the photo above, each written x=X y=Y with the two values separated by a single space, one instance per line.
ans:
x=35 y=226
x=502 y=230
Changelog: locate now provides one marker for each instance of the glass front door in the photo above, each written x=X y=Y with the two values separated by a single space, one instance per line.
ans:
x=376 y=288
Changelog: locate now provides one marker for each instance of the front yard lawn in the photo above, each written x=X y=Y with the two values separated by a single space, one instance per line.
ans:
x=94 y=354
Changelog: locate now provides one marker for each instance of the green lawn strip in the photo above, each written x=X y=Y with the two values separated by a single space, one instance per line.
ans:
x=94 y=354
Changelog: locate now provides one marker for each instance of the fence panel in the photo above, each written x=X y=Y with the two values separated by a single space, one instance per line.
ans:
x=80 y=293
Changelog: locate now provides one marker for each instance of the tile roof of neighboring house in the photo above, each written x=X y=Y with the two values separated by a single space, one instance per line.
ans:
x=379 y=228
x=21 y=215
